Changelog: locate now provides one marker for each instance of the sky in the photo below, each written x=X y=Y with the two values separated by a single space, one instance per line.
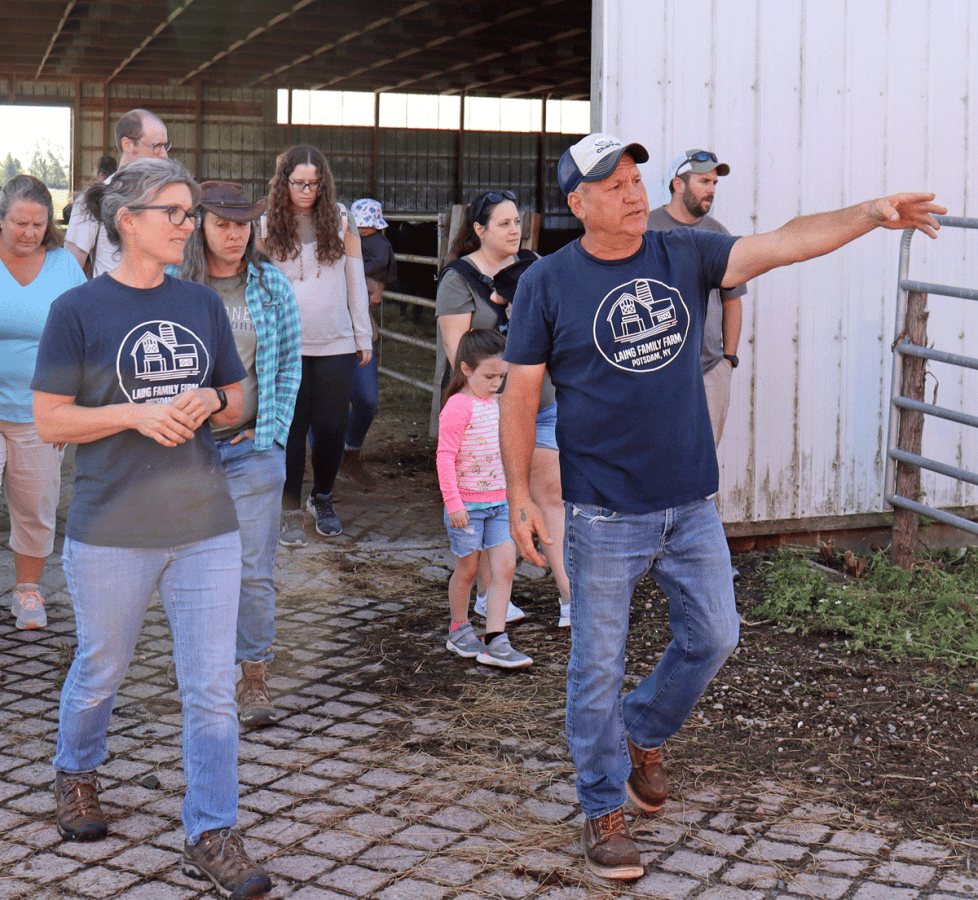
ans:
x=21 y=126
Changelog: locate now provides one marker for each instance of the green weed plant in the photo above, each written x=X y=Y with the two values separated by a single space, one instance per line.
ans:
x=929 y=612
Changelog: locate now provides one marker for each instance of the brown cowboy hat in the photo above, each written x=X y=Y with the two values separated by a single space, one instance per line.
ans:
x=227 y=201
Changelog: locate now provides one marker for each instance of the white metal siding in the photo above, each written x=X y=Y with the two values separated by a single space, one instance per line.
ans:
x=815 y=105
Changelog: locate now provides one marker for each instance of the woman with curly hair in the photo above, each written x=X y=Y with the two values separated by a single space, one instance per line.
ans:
x=307 y=236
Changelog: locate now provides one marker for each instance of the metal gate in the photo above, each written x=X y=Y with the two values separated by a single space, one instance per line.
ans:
x=902 y=460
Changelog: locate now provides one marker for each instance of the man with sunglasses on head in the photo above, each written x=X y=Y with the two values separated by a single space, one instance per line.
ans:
x=692 y=181
x=617 y=318
x=139 y=134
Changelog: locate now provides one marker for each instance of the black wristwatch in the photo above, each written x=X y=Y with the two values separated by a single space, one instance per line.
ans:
x=224 y=401
x=734 y=362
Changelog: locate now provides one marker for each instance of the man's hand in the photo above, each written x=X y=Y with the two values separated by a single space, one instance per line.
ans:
x=900 y=211
x=525 y=520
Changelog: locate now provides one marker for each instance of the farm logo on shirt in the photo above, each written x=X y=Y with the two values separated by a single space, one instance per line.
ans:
x=158 y=360
x=641 y=326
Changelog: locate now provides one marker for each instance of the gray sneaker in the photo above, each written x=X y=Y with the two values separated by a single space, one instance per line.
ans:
x=500 y=652
x=327 y=522
x=28 y=606
x=293 y=529
x=464 y=642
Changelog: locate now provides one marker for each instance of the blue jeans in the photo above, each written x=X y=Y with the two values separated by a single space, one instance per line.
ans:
x=255 y=479
x=363 y=403
x=110 y=590
x=606 y=553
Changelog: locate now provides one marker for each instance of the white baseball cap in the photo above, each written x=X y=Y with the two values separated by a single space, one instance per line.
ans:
x=594 y=158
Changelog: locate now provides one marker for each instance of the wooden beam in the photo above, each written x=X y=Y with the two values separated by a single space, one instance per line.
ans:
x=54 y=37
x=156 y=32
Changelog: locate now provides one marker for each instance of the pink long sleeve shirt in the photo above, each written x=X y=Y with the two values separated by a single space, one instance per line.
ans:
x=470 y=467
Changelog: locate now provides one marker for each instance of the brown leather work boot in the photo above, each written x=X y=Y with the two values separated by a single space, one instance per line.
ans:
x=220 y=856
x=609 y=850
x=80 y=817
x=352 y=466
x=648 y=785
x=255 y=707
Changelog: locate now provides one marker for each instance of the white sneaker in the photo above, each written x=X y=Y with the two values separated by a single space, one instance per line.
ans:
x=564 y=620
x=513 y=612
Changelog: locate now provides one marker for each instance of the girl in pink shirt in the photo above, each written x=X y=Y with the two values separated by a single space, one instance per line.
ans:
x=470 y=473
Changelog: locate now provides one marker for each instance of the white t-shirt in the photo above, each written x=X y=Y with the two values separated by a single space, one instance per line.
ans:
x=84 y=232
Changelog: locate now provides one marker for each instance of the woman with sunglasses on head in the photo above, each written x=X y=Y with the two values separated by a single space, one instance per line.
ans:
x=309 y=237
x=474 y=291
x=135 y=366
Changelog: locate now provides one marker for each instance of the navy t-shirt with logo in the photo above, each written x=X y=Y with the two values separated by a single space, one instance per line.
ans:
x=105 y=343
x=621 y=340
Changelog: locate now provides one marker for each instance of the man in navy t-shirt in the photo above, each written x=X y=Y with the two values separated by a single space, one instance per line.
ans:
x=617 y=320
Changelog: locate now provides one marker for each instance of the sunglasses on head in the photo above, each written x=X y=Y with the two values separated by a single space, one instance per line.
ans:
x=699 y=156
x=492 y=197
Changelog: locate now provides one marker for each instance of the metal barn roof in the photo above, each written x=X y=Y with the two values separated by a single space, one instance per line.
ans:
x=506 y=48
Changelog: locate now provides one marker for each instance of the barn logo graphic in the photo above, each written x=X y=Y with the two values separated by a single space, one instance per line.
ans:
x=641 y=326
x=158 y=360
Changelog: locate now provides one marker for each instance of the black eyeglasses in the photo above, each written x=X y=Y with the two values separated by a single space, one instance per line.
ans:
x=493 y=197
x=698 y=156
x=303 y=186
x=176 y=214
x=156 y=148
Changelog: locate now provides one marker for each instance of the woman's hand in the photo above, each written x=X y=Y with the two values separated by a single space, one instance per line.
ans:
x=365 y=357
x=165 y=423
x=459 y=519
x=200 y=404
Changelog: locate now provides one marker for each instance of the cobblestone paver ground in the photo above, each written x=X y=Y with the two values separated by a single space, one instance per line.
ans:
x=342 y=800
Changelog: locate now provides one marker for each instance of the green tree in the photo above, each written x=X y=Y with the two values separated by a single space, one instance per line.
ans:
x=48 y=163
x=9 y=167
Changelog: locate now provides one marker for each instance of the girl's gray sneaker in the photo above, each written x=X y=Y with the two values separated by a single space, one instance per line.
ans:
x=500 y=652
x=464 y=642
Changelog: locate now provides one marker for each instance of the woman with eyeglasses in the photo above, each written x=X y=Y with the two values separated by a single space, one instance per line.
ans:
x=474 y=291
x=308 y=236
x=134 y=366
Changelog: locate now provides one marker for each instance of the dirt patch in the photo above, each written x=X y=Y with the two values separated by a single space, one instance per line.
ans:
x=880 y=738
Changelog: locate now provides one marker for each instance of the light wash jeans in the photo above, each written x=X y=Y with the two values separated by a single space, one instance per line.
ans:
x=606 y=553
x=110 y=590
x=255 y=479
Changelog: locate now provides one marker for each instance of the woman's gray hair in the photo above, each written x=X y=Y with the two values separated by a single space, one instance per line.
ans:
x=32 y=190
x=136 y=184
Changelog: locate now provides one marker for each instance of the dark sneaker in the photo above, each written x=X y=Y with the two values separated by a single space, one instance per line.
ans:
x=80 y=818
x=28 y=606
x=648 y=785
x=220 y=857
x=464 y=642
x=609 y=850
x=500 y=652
x=293 y=532
x=255 y=707
x=327 y=522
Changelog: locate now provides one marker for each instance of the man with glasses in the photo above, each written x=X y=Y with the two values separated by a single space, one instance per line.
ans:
x=692 y=181
x=139 y=134
x=616 y=318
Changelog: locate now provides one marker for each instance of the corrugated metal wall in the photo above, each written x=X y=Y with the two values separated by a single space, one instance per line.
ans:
x=815 y=105
x=417 y=169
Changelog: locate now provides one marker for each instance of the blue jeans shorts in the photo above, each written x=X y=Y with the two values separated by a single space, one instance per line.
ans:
x=546 y=427
x=487 y=527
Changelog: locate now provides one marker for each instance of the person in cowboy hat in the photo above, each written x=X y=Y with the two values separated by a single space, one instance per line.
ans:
x=265 y=323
